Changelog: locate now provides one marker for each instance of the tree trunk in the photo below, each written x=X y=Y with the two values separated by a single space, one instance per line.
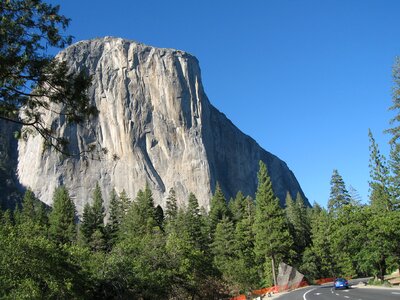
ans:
x=273 y=270
x=382 y=269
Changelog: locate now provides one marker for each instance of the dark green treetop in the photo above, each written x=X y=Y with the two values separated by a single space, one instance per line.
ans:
x=62 y=218
x=218 y=208
x=339 y=195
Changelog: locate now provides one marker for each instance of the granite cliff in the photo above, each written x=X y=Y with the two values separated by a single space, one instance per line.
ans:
x=155 y=125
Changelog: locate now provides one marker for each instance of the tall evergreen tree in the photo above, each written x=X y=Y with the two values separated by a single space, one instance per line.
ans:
x=246 y=276
x=339 y=195
x=224 y=250
x=194 y=222
x=171 y=205
x=298 y=224
x=92 y=226
x=140 y=218
x=86 y=227
x=114 y=220
x=218 y=208
x=395 y=130
x=380 y=197
x=62 y=218
x=125 y=202
x=272 y=238
x=318 y=259
x=187 y=247
x=98 y=208
x=28 y=206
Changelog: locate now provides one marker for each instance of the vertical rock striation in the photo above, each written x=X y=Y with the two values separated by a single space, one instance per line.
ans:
x=155 y=125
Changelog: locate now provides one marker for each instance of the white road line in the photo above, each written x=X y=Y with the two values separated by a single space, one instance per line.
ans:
x=304 y=295
x=347 y=297
x=395 y=293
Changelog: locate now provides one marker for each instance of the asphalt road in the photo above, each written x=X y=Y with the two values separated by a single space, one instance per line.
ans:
x=355 y=292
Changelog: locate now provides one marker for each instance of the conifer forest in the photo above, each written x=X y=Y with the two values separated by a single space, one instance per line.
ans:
x=134 y=249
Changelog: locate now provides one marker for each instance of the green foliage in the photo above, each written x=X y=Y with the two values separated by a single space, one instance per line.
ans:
x=92 y=226
x=140 y=218
x=299 y=225
x=33 y=267
x=218 y=208
x=117 y=208
x=223 y=249
x=246 y=275
x=171 y=205
x=188 y=252
x=33 y=211
x=348 y=238
x=380 y=250
x=62 y=218
x=379 y=173
x=272 y=238
x=240 y=207
x=318 y=259
x=31 y=79
x=339 y=195
x=395 y=130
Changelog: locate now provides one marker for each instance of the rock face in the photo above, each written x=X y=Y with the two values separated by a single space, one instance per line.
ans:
x=155 y=125
x=9 y=185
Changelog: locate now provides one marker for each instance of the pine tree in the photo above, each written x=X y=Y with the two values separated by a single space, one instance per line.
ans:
x=98 y=209
x=218 y=208
x=394 y=162
x=187 y=247
x=237 y=207
x=86 y=227
x=171 y=205
x=62 y=218
x=394 y=178
x=28 y=212
x=125 y=202
x=298 y=225
x=272 y=238
x=41 y=212
x=318 y=259
x=246 y=276
x=114 y=219
x=193 y=221
x=140 y=218
x=339 y=195
x=93 y=219
x=395 y=130
x=380 y=197
x=224 y=249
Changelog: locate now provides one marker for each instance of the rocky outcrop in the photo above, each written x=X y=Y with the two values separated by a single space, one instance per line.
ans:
x=155 y=125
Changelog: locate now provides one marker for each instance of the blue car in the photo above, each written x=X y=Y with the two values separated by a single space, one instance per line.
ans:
x=341 y=283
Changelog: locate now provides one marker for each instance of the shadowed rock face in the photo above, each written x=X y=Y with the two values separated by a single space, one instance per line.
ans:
x=155 y=125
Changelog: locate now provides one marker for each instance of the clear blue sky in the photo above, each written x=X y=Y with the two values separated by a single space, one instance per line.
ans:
x=304 y=78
